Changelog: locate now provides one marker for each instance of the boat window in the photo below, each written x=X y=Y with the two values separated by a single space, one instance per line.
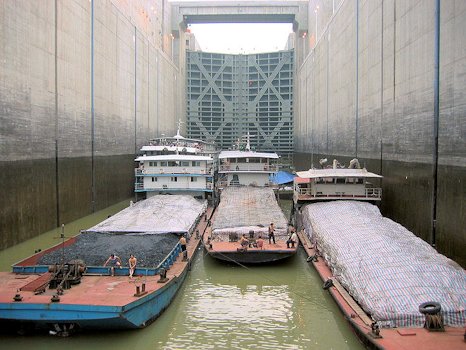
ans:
x=163 y=163
x=254 y=160
x=154 y=179
x=196 y=163
x=174 y=179
x=172 y=163
x=185 y=163
x=152 y=163
x=193 y=179
x=340 y=180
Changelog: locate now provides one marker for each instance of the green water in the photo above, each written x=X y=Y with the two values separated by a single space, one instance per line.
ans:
x=282 y=306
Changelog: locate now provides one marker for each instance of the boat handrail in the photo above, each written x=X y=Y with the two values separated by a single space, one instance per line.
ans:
x=154 y=172
x=254 y=167
x=170 y=258
x=233 y=183
x=369 y=192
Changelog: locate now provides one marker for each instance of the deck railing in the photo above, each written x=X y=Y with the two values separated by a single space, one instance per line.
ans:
x=139 y=187
x=232 y=183
x=245 y=167
x=369 y=193
x=170 y=258
x=172 y=171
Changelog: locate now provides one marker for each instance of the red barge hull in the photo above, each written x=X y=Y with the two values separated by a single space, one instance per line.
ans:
x=389 y=338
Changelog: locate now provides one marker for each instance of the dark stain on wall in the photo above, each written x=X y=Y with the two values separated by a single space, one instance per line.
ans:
x=29 y=192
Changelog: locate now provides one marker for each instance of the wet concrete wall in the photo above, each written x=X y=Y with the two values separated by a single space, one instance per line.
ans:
x=83 y=84
x=370 y=89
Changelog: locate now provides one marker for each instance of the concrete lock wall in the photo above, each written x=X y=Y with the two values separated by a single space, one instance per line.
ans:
x=83 y=84
x=368 y=90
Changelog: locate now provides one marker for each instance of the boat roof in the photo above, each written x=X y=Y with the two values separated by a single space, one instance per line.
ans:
x=172 y=157
x=247 y=154
x=316 y=173
x=170 y=148
x=179 y=137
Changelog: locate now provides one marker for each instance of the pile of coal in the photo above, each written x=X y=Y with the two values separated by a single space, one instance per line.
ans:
x=95 y=248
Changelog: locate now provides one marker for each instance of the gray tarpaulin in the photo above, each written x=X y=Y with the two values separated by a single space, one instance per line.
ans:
x=386 y=268
x=158 y=214
x=242 y=209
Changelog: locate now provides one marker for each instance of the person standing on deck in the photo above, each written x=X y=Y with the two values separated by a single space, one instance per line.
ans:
x=183 y=248
x=132 y=265
x=271 y=233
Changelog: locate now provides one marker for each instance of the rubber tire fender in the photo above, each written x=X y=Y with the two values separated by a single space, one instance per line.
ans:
x=430 y=308
x=328 y=283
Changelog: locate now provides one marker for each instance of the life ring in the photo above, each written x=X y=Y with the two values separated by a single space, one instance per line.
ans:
x=328 y=283
x=430 y=308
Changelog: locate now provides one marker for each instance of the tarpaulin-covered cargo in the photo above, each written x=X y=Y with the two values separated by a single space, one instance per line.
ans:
x=157 y=214
x=243 y=209
x=386 y=268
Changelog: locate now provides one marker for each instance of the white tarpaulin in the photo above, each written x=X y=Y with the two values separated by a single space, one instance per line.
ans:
x=386 y=268
x=158 y=214
x=242 y=209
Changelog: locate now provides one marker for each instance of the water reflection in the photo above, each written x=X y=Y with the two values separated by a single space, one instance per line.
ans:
x=263 y=307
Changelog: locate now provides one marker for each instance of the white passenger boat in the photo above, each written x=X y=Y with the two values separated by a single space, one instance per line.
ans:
x=176 y=165
x=245 y=167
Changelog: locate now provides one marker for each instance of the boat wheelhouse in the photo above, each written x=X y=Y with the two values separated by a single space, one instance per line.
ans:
x=246 y=168
x=175 y=174
x=316 y=185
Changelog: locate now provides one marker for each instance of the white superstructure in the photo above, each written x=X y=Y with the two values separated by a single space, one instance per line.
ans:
x=246 y=168
x=176 y=165
x=179 y=145
x=335 y=183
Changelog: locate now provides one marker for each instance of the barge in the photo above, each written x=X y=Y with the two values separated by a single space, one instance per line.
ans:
x=396 y=291
x=71 y=294
x=248 y=211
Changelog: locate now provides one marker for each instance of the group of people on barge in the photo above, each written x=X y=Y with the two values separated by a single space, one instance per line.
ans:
x=259 y=242
x=114 y=261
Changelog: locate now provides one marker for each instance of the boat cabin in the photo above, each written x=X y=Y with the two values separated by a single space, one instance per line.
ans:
x=175 y=174
x=333 y=184
x=246 y=168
